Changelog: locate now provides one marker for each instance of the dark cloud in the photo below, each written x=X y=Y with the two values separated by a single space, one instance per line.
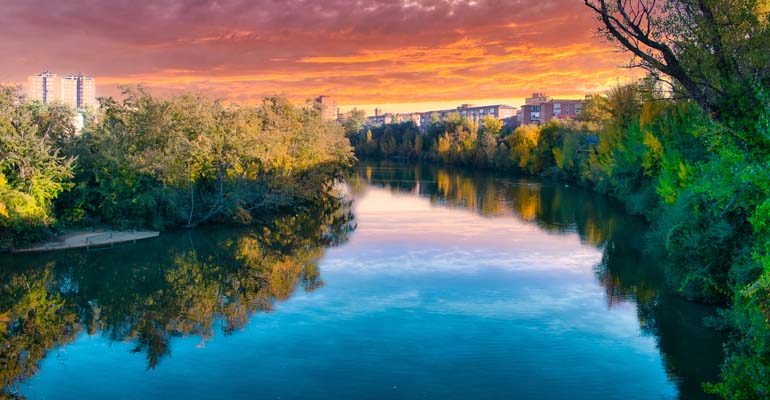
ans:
x=362 y=51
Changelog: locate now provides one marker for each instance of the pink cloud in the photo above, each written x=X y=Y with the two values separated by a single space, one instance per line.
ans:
x=361 y=51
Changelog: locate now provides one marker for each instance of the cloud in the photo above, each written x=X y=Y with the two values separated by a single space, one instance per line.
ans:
x=360 y=51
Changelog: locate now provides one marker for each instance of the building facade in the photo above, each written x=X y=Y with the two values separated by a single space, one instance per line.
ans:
x=328 y=108
x=43 y=87
x=540 y=109
x=77 y=91
x=69 y=91
x=86 y=92
x=390 y=118
x=471 y=112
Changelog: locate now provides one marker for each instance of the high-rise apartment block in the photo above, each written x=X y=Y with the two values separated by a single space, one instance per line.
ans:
x=77 y=91
x=43 y=87
x=85 y=91
x=69 y=91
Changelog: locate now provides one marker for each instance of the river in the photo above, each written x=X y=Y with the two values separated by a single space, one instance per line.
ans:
x=428 y=284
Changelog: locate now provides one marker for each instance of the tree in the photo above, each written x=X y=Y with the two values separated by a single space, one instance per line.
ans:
x=523 y=144
x=488 y=134
x=715 y=52
x=388 y=145
x=354 y=123
x=32 y=171
x=188 y=160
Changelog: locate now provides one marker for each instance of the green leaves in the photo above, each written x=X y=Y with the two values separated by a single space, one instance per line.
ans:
x=188 y=160
x=32 y=171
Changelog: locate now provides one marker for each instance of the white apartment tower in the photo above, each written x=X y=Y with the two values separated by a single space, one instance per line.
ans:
x=44 y=87
x=68 y=93
x=77 y=91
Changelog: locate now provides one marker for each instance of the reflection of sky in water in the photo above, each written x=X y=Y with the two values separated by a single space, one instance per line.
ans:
x=423 y=302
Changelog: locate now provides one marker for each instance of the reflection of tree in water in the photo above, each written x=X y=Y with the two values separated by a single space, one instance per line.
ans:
x=553 y=207
x=692 y=353
x=178 y=285
x=33 y=319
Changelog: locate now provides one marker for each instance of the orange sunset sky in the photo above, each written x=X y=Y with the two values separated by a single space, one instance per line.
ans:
x=403 y=55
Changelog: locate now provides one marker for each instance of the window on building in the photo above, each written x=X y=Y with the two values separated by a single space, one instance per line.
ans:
x=556 y=108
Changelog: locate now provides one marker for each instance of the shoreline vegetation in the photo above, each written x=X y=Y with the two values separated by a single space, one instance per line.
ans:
x=155 y=163
x=687 y=147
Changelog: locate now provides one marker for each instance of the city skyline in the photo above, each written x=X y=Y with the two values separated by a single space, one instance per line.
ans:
x=396 y=55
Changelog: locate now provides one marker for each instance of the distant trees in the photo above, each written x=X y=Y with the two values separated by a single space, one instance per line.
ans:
x=454 y=139
x=487 y=140
x=354 y=122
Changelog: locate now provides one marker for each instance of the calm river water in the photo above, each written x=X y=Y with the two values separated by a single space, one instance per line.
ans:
x=433 y=284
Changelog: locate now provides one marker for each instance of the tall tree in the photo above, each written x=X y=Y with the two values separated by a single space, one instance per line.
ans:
x=716 y=52
x=355 y=122
x=32 y=170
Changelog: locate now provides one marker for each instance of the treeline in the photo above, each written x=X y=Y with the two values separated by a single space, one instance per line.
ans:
x=634 y=144
x=453 y=140
x=705 y=192
x=691 y=154
x=160 y=163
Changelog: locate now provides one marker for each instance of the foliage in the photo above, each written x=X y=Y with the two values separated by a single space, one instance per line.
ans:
x=33 y=172
x=715 y=52
x=714 y=182
x=702 y=188
x=145 y=161
x=454 y=140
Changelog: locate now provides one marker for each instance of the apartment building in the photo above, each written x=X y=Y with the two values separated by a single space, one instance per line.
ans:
x=43 y=87
x=541 y=108
x=77 y=91
x=328 y=107
x=381 y=118
x=86 y=91
x=469 y=111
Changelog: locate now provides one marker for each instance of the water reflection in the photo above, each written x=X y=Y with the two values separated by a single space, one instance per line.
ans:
x=691 y=352
x=182 y=284
x=457 y=285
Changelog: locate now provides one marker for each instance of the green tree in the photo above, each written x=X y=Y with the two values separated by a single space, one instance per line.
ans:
x=354 y=123
x=32 y=170
x=714 y=50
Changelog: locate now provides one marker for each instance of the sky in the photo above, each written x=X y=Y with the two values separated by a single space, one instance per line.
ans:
x=401 y=55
